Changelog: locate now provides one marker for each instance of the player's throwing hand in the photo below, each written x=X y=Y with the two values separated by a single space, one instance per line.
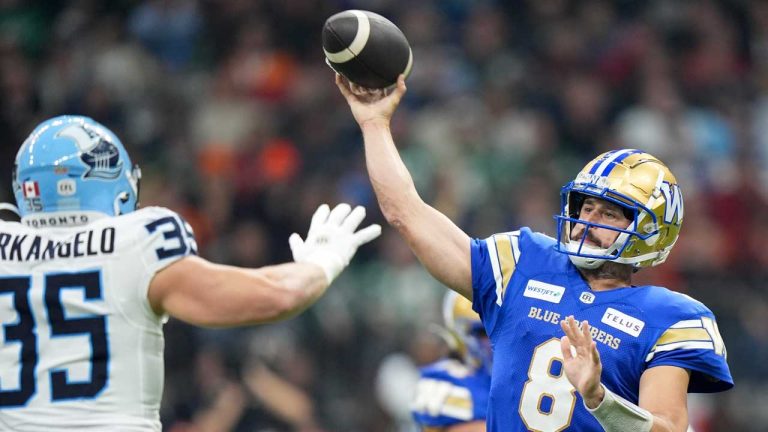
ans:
x=581 y=361
x=371 y=104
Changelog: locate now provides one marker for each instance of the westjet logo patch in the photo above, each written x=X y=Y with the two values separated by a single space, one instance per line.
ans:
x=544 y=291
x=619 y=320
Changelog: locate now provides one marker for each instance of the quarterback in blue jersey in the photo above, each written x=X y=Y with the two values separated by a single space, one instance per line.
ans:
x=452 y=393
x=577 y=347
x=87 y=281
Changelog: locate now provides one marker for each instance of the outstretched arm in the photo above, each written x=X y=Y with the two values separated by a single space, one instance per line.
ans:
x=214 y=295
x=440 y=245
x=662 y=404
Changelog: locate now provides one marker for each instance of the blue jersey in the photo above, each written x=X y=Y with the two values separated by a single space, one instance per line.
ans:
x=523 y=288
x=450 y=393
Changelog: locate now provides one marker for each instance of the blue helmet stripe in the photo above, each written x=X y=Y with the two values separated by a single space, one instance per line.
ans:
x=598 y=163
x=608 y=165
x=617 y=160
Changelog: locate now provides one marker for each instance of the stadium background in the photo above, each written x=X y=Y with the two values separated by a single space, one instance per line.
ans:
x=235 y=120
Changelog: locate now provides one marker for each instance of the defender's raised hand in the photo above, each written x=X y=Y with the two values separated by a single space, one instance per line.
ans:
x=332 y=241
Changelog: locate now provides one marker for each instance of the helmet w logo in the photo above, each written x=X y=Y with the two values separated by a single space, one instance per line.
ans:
x=673 y=203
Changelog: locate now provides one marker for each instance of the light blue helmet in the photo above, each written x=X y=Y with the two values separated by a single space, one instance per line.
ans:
x=72 y=169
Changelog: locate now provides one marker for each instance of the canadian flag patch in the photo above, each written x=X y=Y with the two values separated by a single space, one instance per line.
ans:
x=31 y=189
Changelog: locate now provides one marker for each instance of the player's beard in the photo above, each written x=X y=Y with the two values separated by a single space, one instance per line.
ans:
x=609 y=270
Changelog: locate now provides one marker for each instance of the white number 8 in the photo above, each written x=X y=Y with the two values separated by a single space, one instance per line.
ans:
x=548 y=398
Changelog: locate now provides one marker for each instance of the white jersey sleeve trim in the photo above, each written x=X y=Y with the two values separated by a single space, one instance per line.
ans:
x=458 y=404
x=435 y=397
x=698 y=333
x=687 y=324
x=504 y=254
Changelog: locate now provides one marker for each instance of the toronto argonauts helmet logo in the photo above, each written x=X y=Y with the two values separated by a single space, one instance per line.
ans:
x=103 y=160
x=97 y=151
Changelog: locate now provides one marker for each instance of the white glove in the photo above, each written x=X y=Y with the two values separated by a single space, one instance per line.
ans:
x=332 y=241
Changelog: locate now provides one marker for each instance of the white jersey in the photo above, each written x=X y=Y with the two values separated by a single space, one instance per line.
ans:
x=80 y=347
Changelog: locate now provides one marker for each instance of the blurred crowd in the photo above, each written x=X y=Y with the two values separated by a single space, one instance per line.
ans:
x=232 y=114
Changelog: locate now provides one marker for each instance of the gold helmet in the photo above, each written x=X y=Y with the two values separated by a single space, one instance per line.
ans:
x=466 y=329
x=650 y=196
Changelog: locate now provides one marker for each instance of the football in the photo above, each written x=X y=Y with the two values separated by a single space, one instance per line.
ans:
x=366 y=48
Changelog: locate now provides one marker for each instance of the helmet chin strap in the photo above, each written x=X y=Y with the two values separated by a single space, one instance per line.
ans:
x=584 y=262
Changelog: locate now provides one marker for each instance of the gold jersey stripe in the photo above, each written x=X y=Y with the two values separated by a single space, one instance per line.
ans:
x=507 y=261
x=683 y=335
x=458 y=402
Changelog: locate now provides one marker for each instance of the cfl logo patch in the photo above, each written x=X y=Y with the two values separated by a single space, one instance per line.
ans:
x=673 y=203
x=66 y=187
x=587 y=297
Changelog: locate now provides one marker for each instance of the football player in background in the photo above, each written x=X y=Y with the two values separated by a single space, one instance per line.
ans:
x=630 y=354
x=452 y=393
x=87 y=281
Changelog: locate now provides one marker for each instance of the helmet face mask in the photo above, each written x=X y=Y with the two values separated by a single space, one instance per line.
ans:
x=72 y=169
x=465 y=327
x=648 y=194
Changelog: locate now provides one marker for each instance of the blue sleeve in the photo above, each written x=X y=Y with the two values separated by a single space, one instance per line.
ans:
x=494 y=261
x=483 y=285
x=695 y=344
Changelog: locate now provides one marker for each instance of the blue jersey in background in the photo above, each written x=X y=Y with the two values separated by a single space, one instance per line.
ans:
x=450 y=392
